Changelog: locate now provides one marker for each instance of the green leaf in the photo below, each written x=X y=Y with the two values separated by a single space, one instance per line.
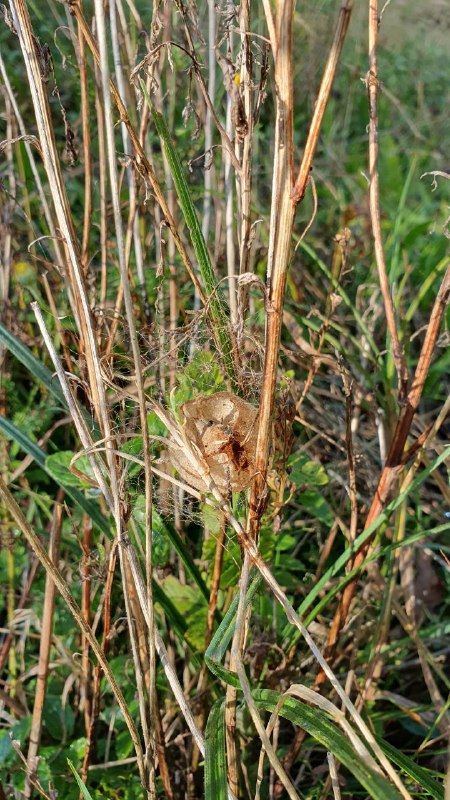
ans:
x=6 y=747
x=222 y=637
x=83 y=788
x=317 y=506
x=231 y=559
x=58 y=467
x=189 y=603
x=90 y=507
x=177 y=621
x=215 y=755
x=39 y=370
x=304 y=471
x=418 y=774
x=164 y=527
x=58 y=719
x=160 y=539
x=201 y=375
x=319 y=726
x=33 y=364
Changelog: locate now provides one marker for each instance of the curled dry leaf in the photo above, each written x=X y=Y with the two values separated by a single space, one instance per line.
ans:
x=224 y=429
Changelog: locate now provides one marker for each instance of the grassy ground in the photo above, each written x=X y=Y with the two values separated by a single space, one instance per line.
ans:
x=170 y=418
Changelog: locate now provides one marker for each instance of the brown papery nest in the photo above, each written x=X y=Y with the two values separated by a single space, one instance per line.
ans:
x=224 y=429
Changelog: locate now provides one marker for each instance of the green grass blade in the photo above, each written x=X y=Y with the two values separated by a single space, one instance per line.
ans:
x=215 y=756
x=217 y=307
x=33 y=364
x=91 y=508
x=425 y=287
x=338 y=565
x=418 y=774
x=179 y=546
x=39 y=371
x=223 y=636
x=317 y=724
x=82 y=787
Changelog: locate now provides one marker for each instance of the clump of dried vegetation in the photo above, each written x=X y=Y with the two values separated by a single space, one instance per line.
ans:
x=224 y=284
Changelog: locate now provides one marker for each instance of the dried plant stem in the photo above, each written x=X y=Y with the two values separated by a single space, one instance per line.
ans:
x=160 y=647
x=98 y=466
x=212 y=606
x=282 y=220
x=332 y=766
x=44 y=648
x=246 y=159
x=236 y=653
x=85 y=116
x=6 y=249
x=37 y=547
x=374 y=199
x=142 y=160
x=350 y=457
x=229 y=224
x=226 y=141
x=395 y=457
x=102 y=200
x=135 y=629
x=284 y=202
x=231 y=735
x=140 y=587
x=52 y=165
x=106 y=84
x=133 y=231
x=322 y=100
x=86 y=611
x=37 y=179
x=215 y=582
x=208 y=160
x=9 y=638
x=98 y=669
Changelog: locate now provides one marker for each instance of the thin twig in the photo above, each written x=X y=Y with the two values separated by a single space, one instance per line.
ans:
x=374 y=199
x=35 y=544
x=44 y=648
x=395 y=457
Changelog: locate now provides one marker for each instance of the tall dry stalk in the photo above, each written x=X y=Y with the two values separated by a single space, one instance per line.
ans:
x=120 y=413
